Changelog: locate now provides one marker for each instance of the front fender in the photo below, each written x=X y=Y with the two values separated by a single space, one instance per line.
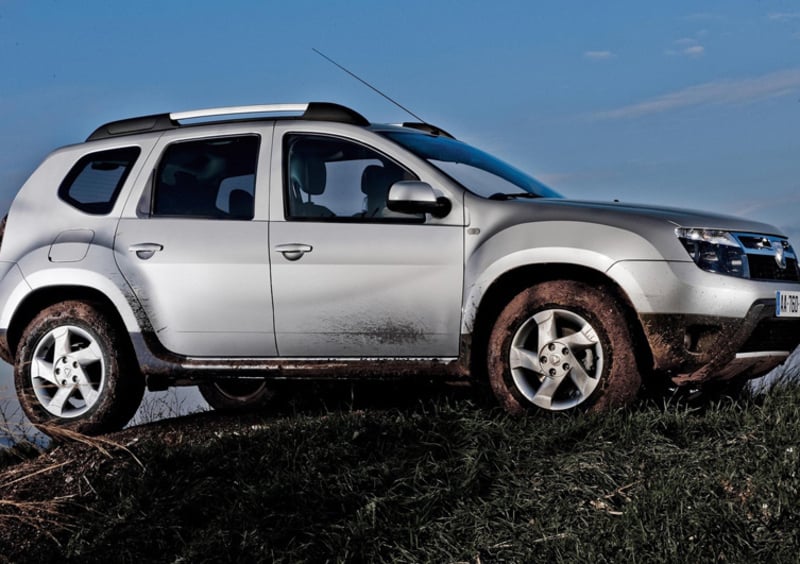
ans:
x=588 y=245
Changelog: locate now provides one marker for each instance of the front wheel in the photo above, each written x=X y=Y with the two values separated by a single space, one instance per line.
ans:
x=73 y=370
x=562 y=345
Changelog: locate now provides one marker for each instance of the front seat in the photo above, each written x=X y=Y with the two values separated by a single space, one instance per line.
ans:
x=307 y=176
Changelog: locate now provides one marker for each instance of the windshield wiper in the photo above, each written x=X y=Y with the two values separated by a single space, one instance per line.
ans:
x=503 y=196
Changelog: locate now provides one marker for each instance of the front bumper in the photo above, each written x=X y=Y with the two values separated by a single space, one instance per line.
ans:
x=700 y=348
x=703 y=326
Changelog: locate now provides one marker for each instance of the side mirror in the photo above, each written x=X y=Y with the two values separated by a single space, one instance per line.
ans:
x=411 y=196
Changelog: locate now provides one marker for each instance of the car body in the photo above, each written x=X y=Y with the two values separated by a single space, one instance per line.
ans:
x=233 y=246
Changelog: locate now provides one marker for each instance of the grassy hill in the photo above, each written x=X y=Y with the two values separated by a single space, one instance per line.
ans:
x=438 y=479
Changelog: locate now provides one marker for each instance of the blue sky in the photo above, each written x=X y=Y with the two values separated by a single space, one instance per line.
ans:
x=678 y=103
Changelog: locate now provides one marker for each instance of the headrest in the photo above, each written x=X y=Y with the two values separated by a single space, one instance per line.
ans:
x=240 y=204
x=378 y=179
x=309 y=174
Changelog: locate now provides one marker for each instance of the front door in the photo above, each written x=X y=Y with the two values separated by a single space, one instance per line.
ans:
x=350 y=277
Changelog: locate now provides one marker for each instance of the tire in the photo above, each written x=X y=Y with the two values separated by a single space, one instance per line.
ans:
x=73 y=370
x=562 y=345
x=237 y=394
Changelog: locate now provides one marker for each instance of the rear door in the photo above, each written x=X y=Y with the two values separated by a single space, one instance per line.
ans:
x=351 y=278
x=193 y=246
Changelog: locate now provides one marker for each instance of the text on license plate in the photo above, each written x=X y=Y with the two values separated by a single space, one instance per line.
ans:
x=787 y=304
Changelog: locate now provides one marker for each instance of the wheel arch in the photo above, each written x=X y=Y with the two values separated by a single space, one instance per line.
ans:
x=44 y=297
x=506 y=286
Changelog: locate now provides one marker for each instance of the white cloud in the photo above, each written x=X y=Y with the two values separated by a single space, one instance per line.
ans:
x=704 y=17
x=687 y=46
x=691 y=51
x=598 y=55
x=716 y=93
x=779 y=202
x=694 y=51
x=783 y=16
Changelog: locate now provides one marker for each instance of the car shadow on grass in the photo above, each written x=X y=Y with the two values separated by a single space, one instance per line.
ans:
x=313 y=398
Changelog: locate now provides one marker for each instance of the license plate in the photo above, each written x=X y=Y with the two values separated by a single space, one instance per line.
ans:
x=787 y=304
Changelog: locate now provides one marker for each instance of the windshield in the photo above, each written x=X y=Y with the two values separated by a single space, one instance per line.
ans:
x=479 y=172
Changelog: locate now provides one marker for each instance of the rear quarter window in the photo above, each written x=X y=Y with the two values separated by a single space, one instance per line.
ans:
x=94 y=182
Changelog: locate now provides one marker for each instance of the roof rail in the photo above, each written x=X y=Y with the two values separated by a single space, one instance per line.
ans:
x=322 y=111
x=427 y=128
x=235 y=110
x=328 y=111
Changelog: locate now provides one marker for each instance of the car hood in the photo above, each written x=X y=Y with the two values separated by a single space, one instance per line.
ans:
x=620 y=214
x=574 y=223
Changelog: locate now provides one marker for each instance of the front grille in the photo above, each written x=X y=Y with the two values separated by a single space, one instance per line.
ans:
x=769 y=257
x=774 y=334
x=764 y=267
x=754 y=241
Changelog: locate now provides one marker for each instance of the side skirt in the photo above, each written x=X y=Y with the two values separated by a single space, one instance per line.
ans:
x=162 y=368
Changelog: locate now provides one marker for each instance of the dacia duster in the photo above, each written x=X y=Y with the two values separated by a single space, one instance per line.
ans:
x=231 y=247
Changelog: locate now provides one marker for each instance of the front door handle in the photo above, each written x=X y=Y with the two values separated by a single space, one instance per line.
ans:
x=145 y=250
x=293 y=251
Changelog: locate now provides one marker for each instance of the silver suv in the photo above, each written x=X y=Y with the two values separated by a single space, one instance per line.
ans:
x=234 y=247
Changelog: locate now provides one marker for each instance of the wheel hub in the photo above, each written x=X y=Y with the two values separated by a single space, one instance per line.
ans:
x=556 y=359
x=66 y=371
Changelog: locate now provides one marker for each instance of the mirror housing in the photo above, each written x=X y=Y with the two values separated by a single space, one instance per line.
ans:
x=412 y=196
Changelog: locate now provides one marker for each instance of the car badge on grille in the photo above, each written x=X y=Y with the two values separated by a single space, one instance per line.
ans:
x=780 y=256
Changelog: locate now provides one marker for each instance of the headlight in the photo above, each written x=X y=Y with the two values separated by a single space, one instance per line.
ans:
x=714 y=250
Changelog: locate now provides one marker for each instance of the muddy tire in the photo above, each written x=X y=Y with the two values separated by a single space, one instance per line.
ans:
x=562 y=345
x=73 y=370
x=237 y=395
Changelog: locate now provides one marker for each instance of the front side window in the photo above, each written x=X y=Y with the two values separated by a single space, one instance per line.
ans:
x=207 y=178
x=95 y=181
x=339 y=180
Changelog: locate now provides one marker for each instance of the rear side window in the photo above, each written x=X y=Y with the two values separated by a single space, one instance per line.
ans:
x=94 y=182
x=207 y=178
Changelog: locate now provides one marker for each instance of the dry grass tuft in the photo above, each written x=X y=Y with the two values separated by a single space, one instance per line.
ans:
x=101 y=444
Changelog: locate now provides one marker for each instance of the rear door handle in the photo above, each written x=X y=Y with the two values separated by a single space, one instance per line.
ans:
x=145 y=250
x=293 y=251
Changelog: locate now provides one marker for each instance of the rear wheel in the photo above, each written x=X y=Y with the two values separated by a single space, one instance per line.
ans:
x=73 y=370
x=236 y=394
x=562 y=345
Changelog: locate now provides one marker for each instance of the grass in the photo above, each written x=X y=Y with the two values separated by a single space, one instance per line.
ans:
x=444 y=480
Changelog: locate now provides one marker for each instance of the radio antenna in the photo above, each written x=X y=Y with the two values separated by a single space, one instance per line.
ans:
x=365 y=83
